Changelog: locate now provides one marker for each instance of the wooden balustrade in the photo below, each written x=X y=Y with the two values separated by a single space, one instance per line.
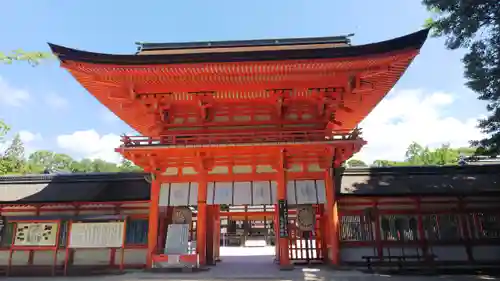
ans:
x=238 y=138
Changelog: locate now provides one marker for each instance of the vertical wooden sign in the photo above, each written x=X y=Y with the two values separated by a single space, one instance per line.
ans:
x=283 y=218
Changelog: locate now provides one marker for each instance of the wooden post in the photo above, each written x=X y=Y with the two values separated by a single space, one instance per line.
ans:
x=325 y=234
x=378 y=236
x=333 y=218
x=201 y=220
x=276 y=233
x=210 y=235
x=217 y=233
x=153 y=220
x=421 y=230
x=284 y=258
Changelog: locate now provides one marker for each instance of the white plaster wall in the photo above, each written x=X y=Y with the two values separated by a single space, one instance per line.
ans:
x=450 y=253
x=46 y=257
x=92 y=257
x=355 y=253
x=132 y=256
x=486 y=253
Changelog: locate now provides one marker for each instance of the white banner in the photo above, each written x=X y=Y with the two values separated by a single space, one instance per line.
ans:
x=36 y=234
x=96 y=235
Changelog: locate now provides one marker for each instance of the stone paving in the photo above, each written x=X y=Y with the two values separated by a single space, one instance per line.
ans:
x=257 y=264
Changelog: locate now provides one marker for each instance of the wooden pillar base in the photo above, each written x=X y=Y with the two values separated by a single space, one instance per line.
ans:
x=287 y=267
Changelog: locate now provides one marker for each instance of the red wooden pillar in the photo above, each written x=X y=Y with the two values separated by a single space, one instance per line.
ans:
x=465 y=229
x=421 y=230
x=378 y=234
x=201 y=220
x=276 y=233
x=283 y=250
x=325 y=233
x=210 y=235
x=217 y=233
x=153 y=220
x=333 y=218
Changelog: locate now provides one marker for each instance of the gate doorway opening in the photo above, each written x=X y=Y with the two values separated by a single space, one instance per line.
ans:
x=251 y=231
x=248 y=226
x=248 y=239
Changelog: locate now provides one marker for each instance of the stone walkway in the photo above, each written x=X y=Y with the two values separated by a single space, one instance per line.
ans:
x=257 y=264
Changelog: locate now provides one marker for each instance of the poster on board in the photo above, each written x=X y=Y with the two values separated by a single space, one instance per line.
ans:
x=36 y=234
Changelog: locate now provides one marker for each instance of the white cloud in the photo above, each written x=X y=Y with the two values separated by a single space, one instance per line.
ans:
x=413 y=115
x=27 y=136
x=11 y=96
x=89 y=144
x=55 y=101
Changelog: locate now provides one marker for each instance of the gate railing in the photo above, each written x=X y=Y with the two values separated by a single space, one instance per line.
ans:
x=239 y=137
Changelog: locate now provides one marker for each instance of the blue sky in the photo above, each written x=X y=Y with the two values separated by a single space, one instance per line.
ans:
x=429 y=104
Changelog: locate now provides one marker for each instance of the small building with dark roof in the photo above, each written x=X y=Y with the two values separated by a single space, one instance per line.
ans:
x=390 y=194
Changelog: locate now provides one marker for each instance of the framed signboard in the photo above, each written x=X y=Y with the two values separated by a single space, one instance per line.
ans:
x=96 y=235
x=3 y=224
x=283 y=218
x=36 y=234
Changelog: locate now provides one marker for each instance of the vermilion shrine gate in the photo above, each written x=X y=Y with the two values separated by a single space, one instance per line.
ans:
x=244 y=123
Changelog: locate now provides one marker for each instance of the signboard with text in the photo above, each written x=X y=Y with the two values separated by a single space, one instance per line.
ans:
x=283 y=218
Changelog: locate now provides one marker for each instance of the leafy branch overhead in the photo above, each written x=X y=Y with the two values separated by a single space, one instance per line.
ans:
x=33 y=58
x=474 y=25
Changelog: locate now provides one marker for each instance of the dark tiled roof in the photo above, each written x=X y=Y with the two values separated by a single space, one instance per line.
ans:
x=408 y=42
x=74 y=188
x=102 y=187
x=420 y=180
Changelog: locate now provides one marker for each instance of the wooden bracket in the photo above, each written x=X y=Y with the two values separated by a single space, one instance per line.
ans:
x=280 y=100
x=325 y=161
x=205 y=162
x=205 y=102
x=281 y=163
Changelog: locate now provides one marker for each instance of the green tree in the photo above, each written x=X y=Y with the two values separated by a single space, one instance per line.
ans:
x=475 y=25
x=415 y=154
x=418 y=155
x=44 y=160
x=101 y=166
x=13 y=157
x=381 y=163
x=33 y=58
x=83 y=166
x=355 y=163
x=128 y=166
x=4 y=129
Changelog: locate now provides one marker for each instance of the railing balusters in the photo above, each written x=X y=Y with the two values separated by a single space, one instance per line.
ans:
x=223 y=138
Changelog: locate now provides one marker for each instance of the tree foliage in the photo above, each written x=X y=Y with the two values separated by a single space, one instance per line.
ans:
x=4 y=129
x=475 y=25
x=418 y=155
x=33 y=58
x=13 y=157
x=355 y=163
